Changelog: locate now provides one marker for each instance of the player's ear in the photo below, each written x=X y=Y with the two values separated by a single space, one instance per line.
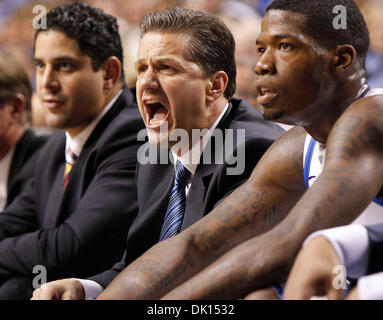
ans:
x=344 y=58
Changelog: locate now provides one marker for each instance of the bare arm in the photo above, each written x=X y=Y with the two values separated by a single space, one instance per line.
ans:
x=352 y=177
x=247 y=212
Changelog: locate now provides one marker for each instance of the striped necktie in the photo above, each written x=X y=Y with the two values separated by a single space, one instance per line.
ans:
x=176 y=209
x=70 y=160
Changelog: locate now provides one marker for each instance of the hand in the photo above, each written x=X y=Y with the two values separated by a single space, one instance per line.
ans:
x=353 y=295
x=66 y=289
x=313 y=272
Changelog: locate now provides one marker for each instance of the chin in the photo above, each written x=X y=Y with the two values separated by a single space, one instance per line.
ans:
x=55 y=122
x=157 y=139
x=276 y=115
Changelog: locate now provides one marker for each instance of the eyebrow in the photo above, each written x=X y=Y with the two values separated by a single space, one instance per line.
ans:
x=59 y=59
x=278 y=37
x=159 y=60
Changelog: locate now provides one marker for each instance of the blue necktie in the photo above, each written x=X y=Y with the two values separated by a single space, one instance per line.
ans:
x=176 y=209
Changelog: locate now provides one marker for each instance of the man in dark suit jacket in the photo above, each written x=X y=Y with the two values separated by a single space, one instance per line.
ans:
x=75 y=222
x=209 y=186
x=18 y=146
x=191 y=117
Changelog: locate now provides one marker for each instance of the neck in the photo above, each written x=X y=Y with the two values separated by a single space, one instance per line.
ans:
x=333 y=108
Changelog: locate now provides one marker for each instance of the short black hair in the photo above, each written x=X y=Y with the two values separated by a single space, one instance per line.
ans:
x=96 y=32
x=319 y=18
x=212 y=45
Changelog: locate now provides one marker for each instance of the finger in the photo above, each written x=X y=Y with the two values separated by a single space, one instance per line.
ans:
x=36 y=294
x=48 y=292
x=335 y=294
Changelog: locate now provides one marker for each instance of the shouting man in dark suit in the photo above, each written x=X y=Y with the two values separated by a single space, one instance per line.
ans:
x=73 y=216
x=18 y=146
x=186 y=80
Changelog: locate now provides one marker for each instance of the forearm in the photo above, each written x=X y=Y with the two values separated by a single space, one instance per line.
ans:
x=162 y=267
x=266 y=260
x=248 y=267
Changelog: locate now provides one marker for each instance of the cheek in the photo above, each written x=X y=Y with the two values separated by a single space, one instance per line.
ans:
x=85 y=91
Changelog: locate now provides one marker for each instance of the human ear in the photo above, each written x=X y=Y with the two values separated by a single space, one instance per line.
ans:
x=216 y=85
x=112 y=71
x=344 y=58
x=18 y=104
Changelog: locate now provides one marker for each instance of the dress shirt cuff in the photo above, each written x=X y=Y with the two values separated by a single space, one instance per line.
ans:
x=350 y=244
x=371 y=287
x=92 y=288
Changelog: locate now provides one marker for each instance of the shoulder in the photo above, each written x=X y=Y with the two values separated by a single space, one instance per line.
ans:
x=248 y=117
x=282 y=164
x=360 y=126
x=30 y=141
x=121 y=124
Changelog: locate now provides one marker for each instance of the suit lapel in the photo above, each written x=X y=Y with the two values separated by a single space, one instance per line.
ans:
x=54 y=199
x=62 y=202
x=154 y=184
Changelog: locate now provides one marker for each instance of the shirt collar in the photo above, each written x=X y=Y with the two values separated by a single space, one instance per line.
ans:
x=77 y=143
x=191 y=158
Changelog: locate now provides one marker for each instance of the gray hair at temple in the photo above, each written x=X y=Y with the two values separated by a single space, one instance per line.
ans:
x=212 y=45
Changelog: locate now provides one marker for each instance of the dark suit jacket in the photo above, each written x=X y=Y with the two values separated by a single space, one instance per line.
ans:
x=210 y=184
x=82 y=230
x=375 y=235
x=23 y=163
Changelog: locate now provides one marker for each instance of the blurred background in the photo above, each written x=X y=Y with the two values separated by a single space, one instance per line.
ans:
x=243 y=17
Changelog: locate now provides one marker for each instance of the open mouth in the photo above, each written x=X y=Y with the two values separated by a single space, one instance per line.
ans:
x=265 y=95
x=156 y=113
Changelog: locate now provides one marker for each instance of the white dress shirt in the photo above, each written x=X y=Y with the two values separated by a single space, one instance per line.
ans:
x=190 y=161
x=5 y=168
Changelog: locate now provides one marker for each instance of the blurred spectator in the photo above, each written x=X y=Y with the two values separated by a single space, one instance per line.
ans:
x=18 y=146
x=232 y=9
x=245 y=33
x=373 y=11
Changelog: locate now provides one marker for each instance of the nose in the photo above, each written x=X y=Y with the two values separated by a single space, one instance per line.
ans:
x=49 y=79
x=148 y=80
x=265 y=64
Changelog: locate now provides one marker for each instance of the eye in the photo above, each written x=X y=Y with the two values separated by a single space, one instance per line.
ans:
x=66 y=66
x=166 y=67
x=141 y=68
x=286 y=46
x=39 y=66
x=261 y=50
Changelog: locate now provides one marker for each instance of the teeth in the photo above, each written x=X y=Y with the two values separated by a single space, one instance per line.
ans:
x=153 y=122
x=264 y=90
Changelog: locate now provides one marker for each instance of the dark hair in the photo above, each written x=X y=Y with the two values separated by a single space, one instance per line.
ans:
x=211 y=46
x=319 y=23
x=96 y=32
x=13 y=80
